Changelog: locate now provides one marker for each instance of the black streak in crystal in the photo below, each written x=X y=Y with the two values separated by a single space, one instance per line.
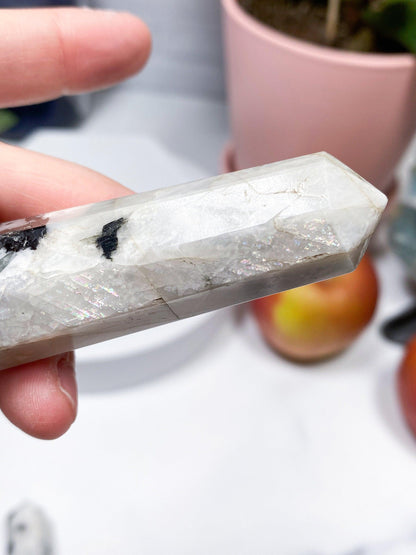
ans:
x=108 y=241
x=15 y=241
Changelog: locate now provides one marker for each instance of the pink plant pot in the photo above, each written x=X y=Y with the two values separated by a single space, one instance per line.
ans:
x=288 y=97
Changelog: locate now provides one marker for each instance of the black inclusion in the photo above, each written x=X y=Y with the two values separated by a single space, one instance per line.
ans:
x=15 y=241
x=108 y=241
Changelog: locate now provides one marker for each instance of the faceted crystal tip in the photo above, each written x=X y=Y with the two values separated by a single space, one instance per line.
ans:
x=321 y=199
x=354 y=206
x=86 y=274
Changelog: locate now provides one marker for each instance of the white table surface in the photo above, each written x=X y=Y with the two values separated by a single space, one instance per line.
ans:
x=229 y=449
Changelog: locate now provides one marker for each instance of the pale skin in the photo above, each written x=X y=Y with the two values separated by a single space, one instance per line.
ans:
x=46 y=53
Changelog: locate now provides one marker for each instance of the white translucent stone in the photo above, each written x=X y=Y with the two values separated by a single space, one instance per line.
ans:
x=177 y=252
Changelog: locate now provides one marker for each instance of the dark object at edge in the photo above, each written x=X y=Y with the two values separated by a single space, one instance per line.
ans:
x=401 y=328
x=16 y=241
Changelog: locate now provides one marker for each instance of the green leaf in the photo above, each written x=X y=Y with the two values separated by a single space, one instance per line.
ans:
x=8 y=120
x=394 y=19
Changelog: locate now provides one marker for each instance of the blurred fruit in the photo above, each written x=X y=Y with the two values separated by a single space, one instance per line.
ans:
x=319 y=320
x=406 y=384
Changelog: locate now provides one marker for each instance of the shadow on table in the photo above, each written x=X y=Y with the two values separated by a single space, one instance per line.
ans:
x=138 y=369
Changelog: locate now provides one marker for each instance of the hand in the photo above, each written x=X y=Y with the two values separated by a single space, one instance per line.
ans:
x=45 y=53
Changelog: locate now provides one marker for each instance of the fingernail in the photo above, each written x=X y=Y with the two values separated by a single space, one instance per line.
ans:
x=66 y=378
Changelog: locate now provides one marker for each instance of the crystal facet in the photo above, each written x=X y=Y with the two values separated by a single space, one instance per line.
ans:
x=91 y=273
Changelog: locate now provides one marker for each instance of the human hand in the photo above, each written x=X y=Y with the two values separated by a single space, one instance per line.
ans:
x=45 y=53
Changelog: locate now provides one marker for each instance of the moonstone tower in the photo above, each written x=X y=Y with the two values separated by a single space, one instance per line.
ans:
x=87 y=274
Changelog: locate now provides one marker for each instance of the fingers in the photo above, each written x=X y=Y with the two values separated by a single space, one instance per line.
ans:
x=32 y=183
x=45 y=53
x=41 y=397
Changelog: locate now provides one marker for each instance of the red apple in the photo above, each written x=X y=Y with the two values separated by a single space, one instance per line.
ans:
x=406 y=384
x=317 y=321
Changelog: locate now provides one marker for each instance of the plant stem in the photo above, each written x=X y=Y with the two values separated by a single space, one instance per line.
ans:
x=332 y=20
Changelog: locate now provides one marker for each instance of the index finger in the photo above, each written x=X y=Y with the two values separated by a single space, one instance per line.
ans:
x=33 y=183
x=48 y=52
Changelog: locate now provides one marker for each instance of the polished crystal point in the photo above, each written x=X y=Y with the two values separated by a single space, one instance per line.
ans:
x=87 y=274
